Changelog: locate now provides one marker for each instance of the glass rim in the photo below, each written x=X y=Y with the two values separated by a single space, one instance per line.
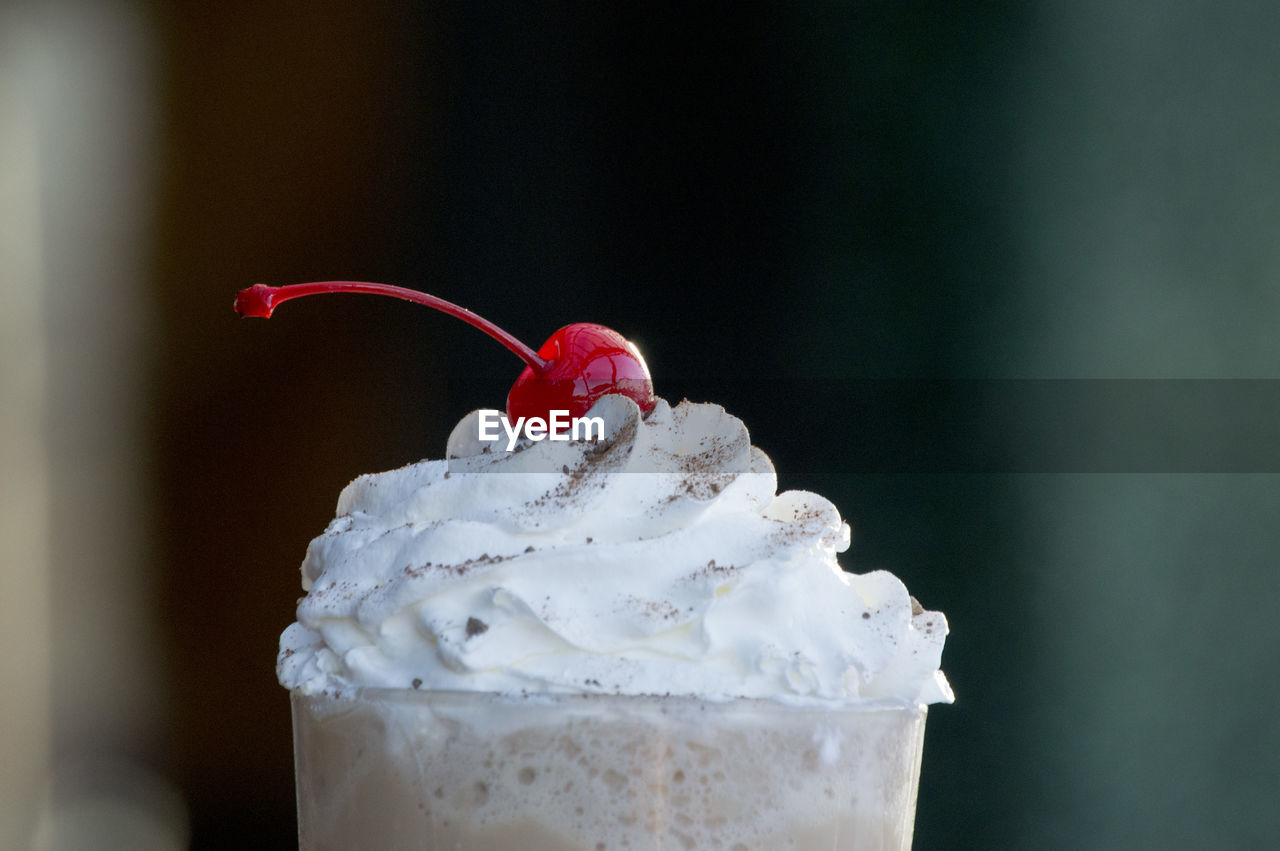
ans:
x=446 y=697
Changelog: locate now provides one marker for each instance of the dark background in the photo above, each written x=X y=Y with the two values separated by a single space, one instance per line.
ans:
x=772 y=201
x=756 y=196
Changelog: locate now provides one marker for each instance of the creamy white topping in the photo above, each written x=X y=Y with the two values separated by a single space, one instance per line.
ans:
x=657 y=561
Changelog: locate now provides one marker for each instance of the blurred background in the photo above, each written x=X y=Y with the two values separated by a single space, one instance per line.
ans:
x=782 y=207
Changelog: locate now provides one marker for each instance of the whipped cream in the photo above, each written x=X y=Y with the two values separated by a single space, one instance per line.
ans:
x=659 y=560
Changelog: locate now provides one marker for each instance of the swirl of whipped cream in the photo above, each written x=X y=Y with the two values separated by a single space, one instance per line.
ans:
x=658 y=560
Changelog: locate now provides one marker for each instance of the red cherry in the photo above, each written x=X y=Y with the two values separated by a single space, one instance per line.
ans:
x=585 y=362
x=578 y=365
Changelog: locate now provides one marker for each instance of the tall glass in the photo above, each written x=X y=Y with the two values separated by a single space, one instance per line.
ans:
x=394 y=769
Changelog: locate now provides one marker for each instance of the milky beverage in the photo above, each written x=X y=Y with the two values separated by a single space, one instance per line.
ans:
x=629 y=642
x=438 y=770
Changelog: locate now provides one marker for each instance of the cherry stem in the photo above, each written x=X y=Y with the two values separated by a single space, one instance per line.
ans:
x=260 y=300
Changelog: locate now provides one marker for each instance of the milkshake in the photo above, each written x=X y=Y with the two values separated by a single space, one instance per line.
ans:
x=621 y=639
x=396 y=768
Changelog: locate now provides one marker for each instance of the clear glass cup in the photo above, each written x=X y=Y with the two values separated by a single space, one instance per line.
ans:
x=390 y=768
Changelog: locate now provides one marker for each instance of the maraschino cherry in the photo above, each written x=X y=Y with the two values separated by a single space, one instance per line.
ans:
x=579 y=364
